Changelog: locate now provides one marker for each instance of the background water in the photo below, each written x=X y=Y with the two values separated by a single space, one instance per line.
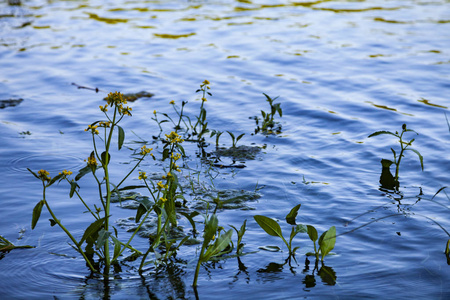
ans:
x=342 y=69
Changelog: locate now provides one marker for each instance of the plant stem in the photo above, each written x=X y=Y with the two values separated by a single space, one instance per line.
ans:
x=68 y=234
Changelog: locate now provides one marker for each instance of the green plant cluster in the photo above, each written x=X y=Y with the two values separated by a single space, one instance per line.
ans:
x=100 y=245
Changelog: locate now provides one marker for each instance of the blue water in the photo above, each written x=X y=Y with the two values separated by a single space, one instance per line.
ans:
x=341 y=69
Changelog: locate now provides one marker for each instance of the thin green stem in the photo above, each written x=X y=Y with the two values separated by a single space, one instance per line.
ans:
x=68 y=234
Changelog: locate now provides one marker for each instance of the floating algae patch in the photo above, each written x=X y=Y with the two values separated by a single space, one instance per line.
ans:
x=125 y=196
x=131 y=97
x=10 y=102
x=239 y=153
x=226 y=199
x=149 y=229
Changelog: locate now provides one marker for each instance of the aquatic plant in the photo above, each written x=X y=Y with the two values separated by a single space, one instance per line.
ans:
x=326 y=241
x=98 y=235
x=212 y=245
x=268 y=118
x=6 y=245
x=404 y=146
x=235 y=139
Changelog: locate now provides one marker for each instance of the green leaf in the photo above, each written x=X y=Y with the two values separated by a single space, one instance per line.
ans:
x=312 y=233
x=190 y=217
x=301 y=228
x=121 y=137
x=83 y=172
x=117 y=247
x=73 y=186
x=232 y=135
x=52 y=222
x=181 y=149
x=37 y=213
x=210 y=229
x=420 y=156
x=383 y=132
x=290 y=217
x=102 y=239
x=92 y=229
x=327 y=241
x=105 y=159
x=165 y=153
x=269 y=225
x=54 y=179
x=240 y=136
x=140 y=212
x=219 y=245
x=35 y=175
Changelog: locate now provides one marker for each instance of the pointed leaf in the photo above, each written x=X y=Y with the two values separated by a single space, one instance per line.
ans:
x=73 y=186
x=92 y=229
x=52 y=222
x=269 y=225
x=290 y=217
x=383 y=132
x=83 y=172
x=37 y=213
x=210 y=229
x=219 y=245
x=105 y=159
x=239 y=137
x=140 y=212
x=117 y=247
x=35 y=175
x=231 y=134
x=327 y=241
x=54 y=179
x=312 y=233
x=103 y=237
x=121 y=137
x=420 y=156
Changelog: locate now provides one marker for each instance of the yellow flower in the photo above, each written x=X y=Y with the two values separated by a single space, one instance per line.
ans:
x=91 y=161
x=92 y=128
x=43 y=174
x=145 y=150
x=104 y=124
x=172 y=102
x=176 y=157
x=104 y=108
x=173 y=138
x=161 y=186
x=66 y=173
x=163 y=199
x=154 y=112
x=204 y=99
x=206 y=82
x=142 y=176
x=115 y=98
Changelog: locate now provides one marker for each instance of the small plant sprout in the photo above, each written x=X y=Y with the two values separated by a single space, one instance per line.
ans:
x=212 y=245
x=404 y=146
x=235 y=139
x=217 y=134
x=268 y=118
x=272 y=228
x=326 y=241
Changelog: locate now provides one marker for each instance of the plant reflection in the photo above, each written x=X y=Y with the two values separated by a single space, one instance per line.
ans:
x=387 y=180
x=326 y=274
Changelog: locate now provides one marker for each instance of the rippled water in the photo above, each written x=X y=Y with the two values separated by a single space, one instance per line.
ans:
x=341 y=69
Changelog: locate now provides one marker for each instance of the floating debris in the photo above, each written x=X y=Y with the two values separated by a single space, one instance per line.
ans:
x=10 y=102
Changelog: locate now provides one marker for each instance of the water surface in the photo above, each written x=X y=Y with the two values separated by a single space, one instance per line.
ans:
x=341 y=69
